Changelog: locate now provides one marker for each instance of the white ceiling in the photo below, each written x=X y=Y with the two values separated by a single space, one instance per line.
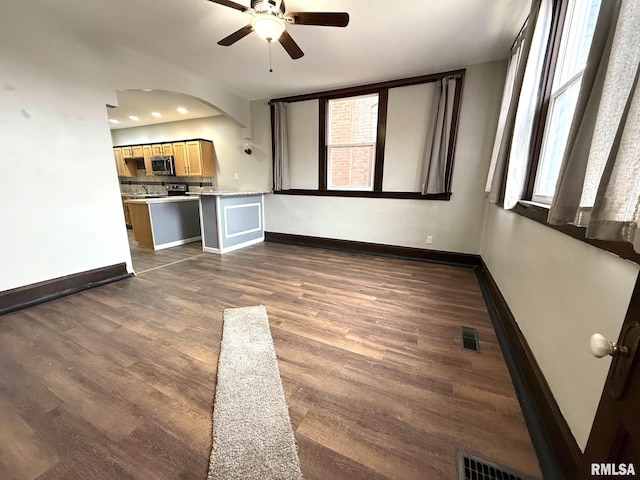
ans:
x=141 y=103
x=384 y=40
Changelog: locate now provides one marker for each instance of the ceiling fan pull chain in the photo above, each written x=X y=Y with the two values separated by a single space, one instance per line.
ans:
x=270 y=67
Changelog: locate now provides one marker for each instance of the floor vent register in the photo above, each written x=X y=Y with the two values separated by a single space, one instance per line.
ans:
x=469 y=339
x=474 y=468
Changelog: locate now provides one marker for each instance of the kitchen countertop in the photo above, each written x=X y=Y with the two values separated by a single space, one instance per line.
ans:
x=144 y=195
x=175 y=198
x=227 y=193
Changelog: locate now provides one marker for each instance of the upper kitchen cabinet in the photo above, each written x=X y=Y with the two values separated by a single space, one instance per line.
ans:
x=192 y=158
x=167 y=149
x=180 y=159
x=136 y=151
x=125 y=169
x=200 y=158
x=147 y=153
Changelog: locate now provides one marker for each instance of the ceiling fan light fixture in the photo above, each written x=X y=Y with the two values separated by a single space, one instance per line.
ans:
x=268 y=27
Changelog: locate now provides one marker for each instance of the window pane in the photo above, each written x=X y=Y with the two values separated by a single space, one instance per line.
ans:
x=556 y=134
x=353 y=120
x=351 y=168
x=576 y=40
x=352 y=132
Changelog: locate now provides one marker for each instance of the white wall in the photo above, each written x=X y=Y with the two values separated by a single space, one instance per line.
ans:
x=60 y=210
x=560 y=291
x=409 y=112
x=302 y=131
x=253 y=170
x=455 y=225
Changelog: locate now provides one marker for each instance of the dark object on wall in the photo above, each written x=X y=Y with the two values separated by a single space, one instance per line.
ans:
x=29 y=295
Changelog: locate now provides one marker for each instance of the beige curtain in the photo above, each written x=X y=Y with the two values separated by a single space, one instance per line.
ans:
x=437 y=142
x=281 y=147
x=599 y=183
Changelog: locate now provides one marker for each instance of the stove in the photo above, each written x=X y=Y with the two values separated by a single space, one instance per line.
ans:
x=174 y=189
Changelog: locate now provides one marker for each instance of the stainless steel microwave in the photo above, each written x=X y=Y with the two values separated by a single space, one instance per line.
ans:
x=163 y=165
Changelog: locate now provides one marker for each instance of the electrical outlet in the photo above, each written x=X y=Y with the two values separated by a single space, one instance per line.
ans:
x=235 y=176
x=429 y=240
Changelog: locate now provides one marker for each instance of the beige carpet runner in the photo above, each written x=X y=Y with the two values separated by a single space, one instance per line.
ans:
x=252 y=435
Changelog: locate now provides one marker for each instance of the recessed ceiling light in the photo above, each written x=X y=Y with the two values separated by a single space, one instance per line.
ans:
x=113 y=120
x=182 y=110
x=134 y=118
x=156 y=114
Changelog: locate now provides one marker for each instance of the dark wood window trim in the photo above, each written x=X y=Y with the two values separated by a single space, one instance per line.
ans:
x=367 y=194
x=544 y=92
x=383 y=103
x=382 y=89
x=539 y=213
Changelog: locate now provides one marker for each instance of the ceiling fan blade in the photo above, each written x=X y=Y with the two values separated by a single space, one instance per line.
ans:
x=230 y=4
x=235 y=36
x=325 y=19
x=290 y=45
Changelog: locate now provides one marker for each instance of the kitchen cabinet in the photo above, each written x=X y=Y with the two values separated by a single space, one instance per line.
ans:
x=127 y=214
x=180 y=159
x=200 y=158
x=127 y=152
x=123 y=168
x=147 y=153
x=136 y=151
x=192 y=158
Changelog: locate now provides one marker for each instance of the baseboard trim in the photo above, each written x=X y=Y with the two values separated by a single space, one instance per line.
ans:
x=558 y=452
x=29 y=295
x=409 y=253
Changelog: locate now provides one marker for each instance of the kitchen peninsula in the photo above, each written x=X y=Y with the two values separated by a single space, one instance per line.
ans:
x=164 y=222
x=230 y=220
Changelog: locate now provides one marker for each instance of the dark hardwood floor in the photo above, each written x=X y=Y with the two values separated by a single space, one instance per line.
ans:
x=118 y=381
x=145 y=259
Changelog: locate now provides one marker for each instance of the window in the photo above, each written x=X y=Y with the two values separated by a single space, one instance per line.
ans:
x=351 y=142
x=575 y=40
x=370 y=140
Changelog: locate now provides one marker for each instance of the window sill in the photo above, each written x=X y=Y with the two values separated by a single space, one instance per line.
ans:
x=538 y=213
x=366 y=194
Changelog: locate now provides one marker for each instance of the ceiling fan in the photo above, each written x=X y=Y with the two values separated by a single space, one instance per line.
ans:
x=270 y=18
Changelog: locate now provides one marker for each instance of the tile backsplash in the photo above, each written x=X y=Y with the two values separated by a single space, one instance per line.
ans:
x=157 y=184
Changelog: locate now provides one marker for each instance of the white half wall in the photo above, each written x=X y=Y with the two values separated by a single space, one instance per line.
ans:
x=455 y=225
x=560 y=291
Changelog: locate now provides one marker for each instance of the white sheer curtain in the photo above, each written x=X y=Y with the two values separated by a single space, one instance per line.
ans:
x=437 y=142
x=281 y=147
x=520 y=150
x=507 y=95
x=512 y=145
x=601 y=190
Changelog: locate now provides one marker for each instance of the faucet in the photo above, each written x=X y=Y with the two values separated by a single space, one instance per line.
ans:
x=144 y=187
